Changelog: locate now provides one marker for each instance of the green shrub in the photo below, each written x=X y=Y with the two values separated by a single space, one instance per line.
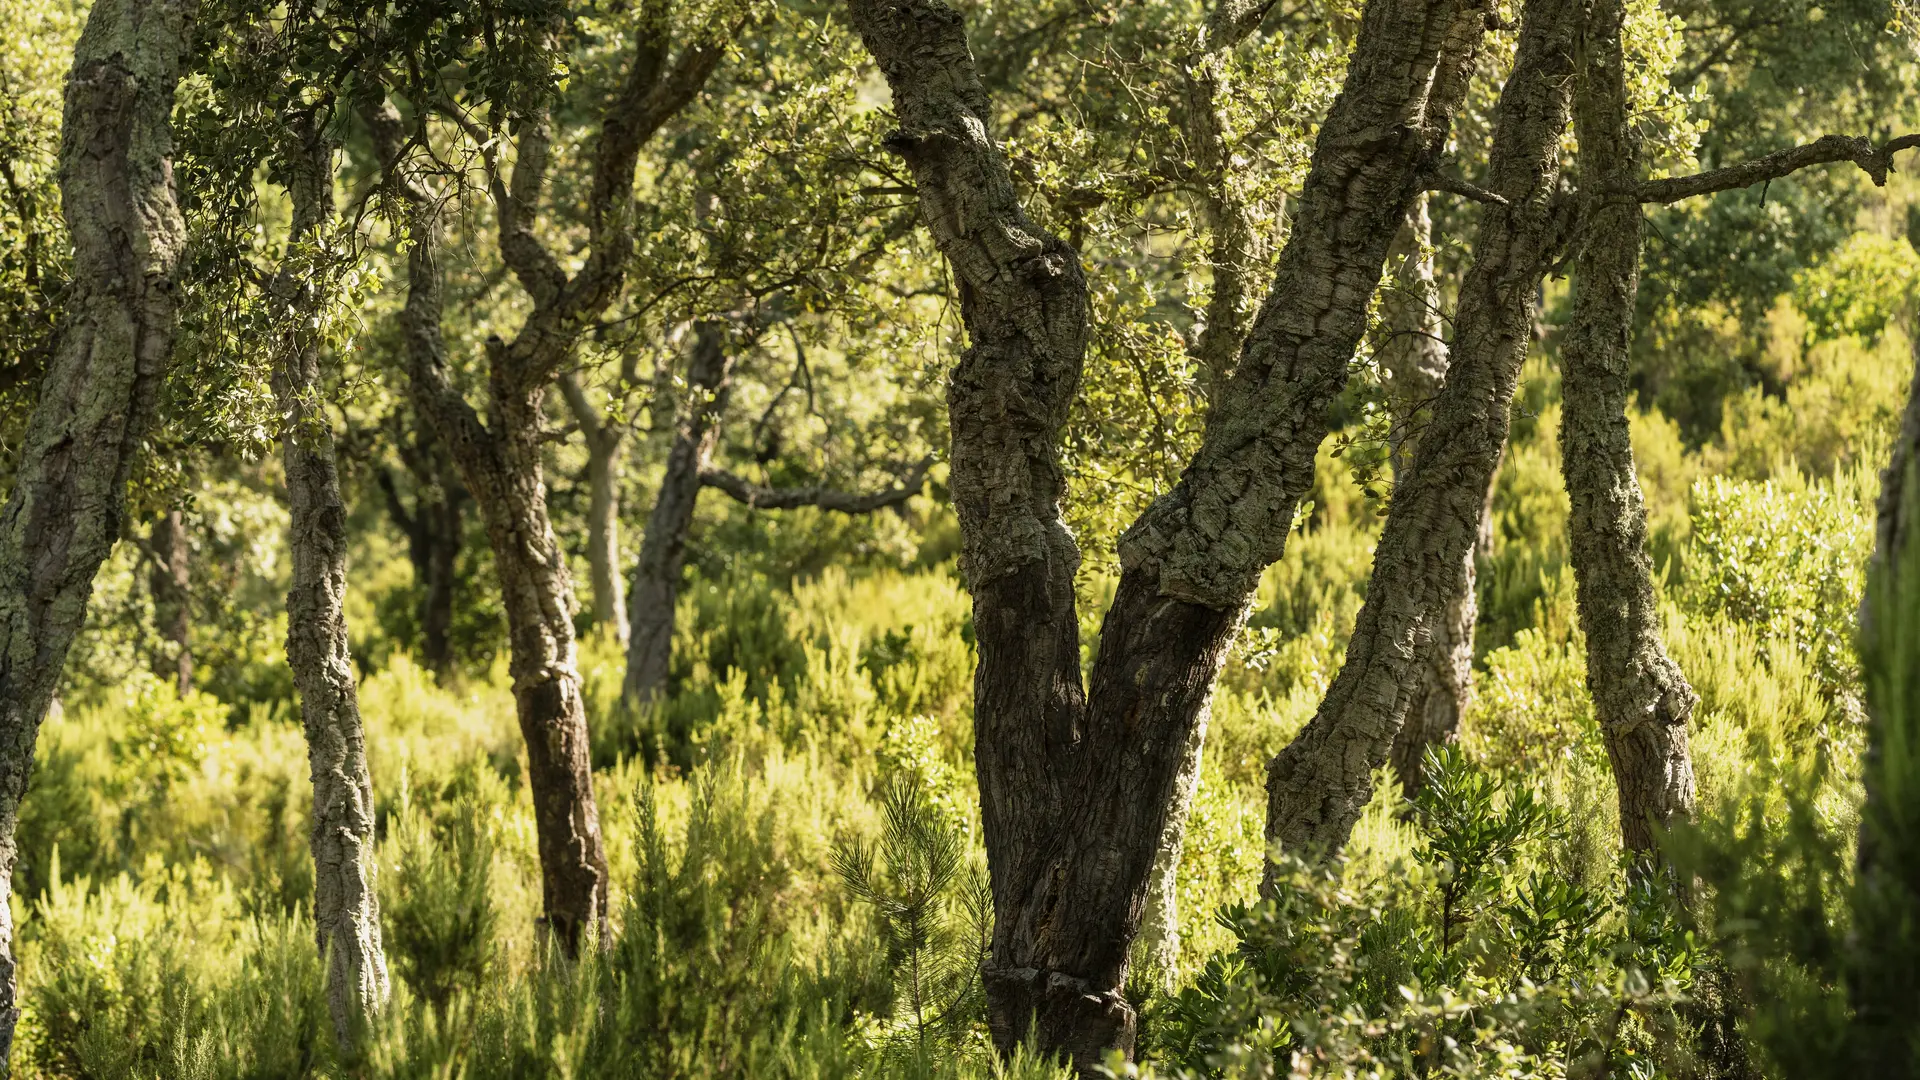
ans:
x=1787 y=560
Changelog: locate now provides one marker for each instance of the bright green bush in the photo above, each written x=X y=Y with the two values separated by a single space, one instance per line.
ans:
x=1787 y=559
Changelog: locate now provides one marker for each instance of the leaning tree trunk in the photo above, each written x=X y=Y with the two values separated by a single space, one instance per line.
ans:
x=170 y=580
x=1883 y=973
x=346 y=911
x=1415 y=359
x=1076 y=785
x=1235 y=252
x=1318 y=785
x=102 y=381
x=606 y=458
x=1641 y=698
x=663 y=547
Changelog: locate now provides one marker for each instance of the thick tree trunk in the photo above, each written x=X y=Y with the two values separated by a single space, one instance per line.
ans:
x=170 y=580
x=1640 y=696
x=1415 y=358
x=102 y=381
x=1318 y=785
x=663 y=547
x=346 y=911
x=1076 y=786
x=606 y=459
x=1883 y=980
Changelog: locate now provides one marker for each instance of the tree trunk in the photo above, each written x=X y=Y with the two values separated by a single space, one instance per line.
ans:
x=1076 y=785
x=501 y=468
x=169 y=580
x=102 y=381
x=500 y=460
x=446 y=530
x=1883 y=973
x=346 y=910
x=1415 y=358
x=606 y=452
x=1318 y=785
x=663 y=547
x=1641 y=699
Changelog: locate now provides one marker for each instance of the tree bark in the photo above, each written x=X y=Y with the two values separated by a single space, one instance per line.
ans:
x=346 y=909
x=170 y=579
x=1415 y=359
x=663 y=547
x=1319 y=784
x=102 y=382
x=1641 y=698
x=1076 y=784
x=606 y=460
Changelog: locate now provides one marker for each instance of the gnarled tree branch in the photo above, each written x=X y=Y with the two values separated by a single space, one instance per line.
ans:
x=1877 y=161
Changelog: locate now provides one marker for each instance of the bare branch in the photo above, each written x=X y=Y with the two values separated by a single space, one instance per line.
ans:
x=1877 y=161
x=845 y=502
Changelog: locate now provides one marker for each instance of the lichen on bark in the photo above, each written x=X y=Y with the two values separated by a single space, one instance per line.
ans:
x=102 y=382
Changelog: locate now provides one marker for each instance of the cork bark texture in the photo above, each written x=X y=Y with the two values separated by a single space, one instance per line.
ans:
x=102 y=380
x=1078 y=782
x=1641 y=699
x=1318 y=785
x=346 y=908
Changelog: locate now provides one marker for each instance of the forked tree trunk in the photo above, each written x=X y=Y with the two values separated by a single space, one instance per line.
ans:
x=500 y=465
x=1077 y=785
x=1641 y=699
x=663 y=547
x=170 y=580
x=606 y=460
x=102 y=381
x=1318 y=785
x=1415 y=357
x=500 y=458
x=346 y=910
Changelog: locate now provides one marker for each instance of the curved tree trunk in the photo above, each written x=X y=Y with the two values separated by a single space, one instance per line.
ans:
x=1076 y=785
x=663 y=547
x=1234 y=256
x=346 y=911
x=102 y=381
x=1641 y=699
x=1319 y=784
x=1415 y=358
